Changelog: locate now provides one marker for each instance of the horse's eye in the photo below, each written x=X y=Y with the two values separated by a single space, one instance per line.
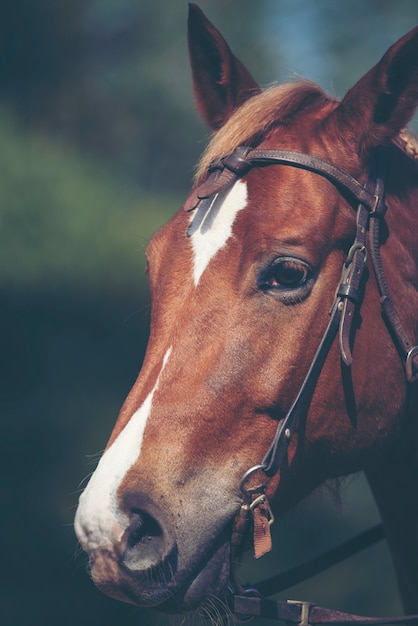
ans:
x=287 y=277
x=288 y=273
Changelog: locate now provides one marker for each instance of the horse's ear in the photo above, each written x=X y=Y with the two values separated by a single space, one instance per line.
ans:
x=221 y=82
x=384 y=100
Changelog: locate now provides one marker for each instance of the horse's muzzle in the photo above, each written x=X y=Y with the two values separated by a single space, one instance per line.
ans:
x=152 y=563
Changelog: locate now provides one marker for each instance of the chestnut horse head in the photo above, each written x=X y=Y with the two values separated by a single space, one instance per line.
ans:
x=243 y=279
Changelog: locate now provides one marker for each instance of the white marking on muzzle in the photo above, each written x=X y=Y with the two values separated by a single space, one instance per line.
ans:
x=99 y=522
x=207 y=244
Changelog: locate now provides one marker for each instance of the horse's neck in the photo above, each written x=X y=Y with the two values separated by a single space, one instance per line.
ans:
x=394 y=478
x=394 y=486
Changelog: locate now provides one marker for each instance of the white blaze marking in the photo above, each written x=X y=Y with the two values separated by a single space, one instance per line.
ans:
x=206 y=245
x=99 y=522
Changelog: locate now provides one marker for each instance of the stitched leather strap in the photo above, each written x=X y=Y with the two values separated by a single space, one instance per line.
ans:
x=349 y=289
x=323 y=168
x=222 y=176
x=304 y=613
x=285 y=430
x=355 y=263
x=407 y=351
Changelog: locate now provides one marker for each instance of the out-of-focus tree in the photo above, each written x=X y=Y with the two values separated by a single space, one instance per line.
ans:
x=41 y=55
x=113 y=78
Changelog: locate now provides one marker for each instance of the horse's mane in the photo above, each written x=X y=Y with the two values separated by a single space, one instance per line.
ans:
x=271 y=107
x=257 y=115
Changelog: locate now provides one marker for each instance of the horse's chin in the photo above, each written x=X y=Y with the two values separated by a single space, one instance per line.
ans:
x=211 y=582
x=187 y=590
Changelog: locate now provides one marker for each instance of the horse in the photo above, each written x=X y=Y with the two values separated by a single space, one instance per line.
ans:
x=284 y=323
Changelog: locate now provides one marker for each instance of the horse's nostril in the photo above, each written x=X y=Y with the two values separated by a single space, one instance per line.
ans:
x=143 y=529
x=146 y=543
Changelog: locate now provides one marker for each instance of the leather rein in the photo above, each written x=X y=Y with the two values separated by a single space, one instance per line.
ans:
x=207 y=200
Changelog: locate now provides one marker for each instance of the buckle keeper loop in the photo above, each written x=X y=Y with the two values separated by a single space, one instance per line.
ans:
x=305 y=610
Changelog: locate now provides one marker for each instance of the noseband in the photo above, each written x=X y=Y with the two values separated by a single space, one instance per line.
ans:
x=207 y=200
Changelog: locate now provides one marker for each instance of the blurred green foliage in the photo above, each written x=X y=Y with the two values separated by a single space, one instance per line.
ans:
x=98 y=142
x=67 y=221
x=112 y=79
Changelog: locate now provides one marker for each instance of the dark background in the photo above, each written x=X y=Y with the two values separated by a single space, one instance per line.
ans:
x=98 y=142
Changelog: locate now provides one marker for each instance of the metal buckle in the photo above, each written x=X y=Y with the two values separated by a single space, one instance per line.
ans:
x=411 y=377
x=379 y=208
x=247 y=493
x=356 y=247
x=305 y=610
x=264 y=500
x=244 y=618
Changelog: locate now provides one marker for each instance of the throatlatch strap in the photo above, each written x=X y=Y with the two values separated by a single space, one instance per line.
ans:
x=406 y=349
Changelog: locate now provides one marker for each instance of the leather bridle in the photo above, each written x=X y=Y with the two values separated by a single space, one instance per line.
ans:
x=206 y=200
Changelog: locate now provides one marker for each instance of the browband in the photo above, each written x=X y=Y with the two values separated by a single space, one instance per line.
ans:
x=208 y=196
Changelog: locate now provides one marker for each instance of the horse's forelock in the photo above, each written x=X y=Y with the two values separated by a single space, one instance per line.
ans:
x=256 y=116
